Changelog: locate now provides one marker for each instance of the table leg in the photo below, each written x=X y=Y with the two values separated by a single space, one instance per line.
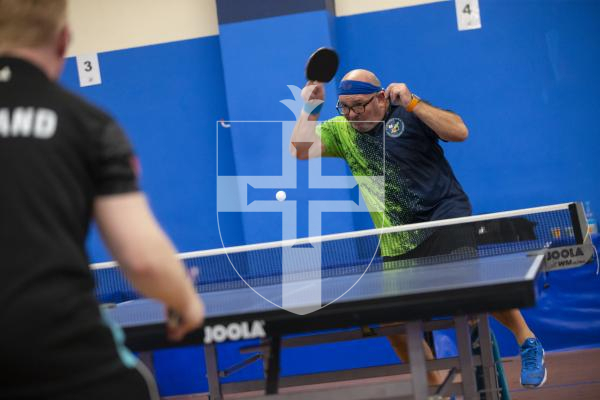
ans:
x=465 y=356
x=273 y=365
x=490 y=377
x=414 y=331
x=212 y=372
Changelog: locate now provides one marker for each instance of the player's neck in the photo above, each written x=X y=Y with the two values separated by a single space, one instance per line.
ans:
x=43 y=58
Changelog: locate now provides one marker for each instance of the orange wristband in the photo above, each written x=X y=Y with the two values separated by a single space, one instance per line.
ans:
x=413 y=103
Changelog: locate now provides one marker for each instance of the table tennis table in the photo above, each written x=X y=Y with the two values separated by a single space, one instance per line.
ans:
x=458 y=291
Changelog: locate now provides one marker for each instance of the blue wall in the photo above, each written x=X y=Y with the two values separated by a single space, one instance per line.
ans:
x=526 y=85
x=260 y=59
x=167 y=98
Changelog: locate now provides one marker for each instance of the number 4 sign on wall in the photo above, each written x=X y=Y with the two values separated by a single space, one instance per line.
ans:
x=467 y=14
x=89 y=70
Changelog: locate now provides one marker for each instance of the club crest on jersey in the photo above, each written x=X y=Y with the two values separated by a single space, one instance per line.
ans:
x=394 y=127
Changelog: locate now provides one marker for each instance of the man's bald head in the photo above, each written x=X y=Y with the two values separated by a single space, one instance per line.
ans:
x=362 y=75
x=364 y=109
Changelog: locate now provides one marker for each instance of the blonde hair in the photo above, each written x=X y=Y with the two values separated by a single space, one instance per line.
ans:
x=30 y=23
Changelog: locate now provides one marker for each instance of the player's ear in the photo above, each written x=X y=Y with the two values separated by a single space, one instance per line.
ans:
x=60 y=48
x=63 y=41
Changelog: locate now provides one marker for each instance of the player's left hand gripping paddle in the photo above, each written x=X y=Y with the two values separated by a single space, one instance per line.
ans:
x=322 y=65
x=174 y=319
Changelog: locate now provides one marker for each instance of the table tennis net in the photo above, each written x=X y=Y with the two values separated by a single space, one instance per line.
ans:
x=408 y=246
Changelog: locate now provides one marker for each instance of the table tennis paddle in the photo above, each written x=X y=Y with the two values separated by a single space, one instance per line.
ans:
x=322 y=65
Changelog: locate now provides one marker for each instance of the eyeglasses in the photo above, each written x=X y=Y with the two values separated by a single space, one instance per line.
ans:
x=344 y=109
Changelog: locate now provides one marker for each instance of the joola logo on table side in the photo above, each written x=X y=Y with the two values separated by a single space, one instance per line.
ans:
x=565 y=253
x=234 y=331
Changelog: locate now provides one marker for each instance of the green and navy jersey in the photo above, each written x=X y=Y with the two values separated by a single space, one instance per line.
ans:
x=419 y=182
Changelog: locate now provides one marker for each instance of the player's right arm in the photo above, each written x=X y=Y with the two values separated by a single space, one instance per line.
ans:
x=147 y=257
x=131 y=232
x=305 y=143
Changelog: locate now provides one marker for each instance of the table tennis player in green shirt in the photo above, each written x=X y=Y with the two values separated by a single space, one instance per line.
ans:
x=419 y=183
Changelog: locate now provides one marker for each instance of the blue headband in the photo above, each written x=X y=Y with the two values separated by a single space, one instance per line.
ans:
x=356 y=87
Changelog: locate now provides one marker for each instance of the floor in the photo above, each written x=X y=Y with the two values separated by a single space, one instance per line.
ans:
x=572 y=375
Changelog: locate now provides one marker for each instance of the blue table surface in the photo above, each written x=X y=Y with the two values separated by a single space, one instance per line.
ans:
x=379 y=284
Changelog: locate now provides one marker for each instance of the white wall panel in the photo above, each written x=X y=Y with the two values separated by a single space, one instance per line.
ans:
x=351 y=7
x=105 y=25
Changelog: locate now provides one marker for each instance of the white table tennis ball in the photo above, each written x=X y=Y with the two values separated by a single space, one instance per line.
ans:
x=280 y=196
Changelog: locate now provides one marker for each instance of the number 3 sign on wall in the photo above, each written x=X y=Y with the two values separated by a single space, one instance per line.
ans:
x=89 y=70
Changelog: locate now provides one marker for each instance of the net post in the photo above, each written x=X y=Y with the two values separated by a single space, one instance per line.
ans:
x=579 y=221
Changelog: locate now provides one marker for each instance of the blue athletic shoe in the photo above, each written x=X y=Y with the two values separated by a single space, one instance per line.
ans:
x=533 y=370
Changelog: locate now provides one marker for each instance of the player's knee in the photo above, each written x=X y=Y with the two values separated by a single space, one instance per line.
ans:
x=398 y=340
